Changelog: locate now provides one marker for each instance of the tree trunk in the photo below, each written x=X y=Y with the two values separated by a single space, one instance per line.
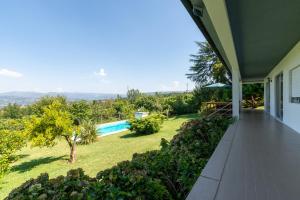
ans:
x=73 y=153
x=72 y=146
x=253 y=101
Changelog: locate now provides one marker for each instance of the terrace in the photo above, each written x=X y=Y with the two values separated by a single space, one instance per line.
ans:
x=259 y=42
x=258 y=158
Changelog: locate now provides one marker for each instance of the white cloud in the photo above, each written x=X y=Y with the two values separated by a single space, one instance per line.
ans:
x=10 y=73
x=100 y=73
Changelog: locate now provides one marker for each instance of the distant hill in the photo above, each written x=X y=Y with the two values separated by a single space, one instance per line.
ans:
x=25 y=98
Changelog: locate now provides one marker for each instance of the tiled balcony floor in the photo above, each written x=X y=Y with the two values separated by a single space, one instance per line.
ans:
x=257 y=159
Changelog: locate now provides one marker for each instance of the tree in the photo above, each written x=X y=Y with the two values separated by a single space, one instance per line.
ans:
x=38 y=107
x=207 y=67
x=80 y=110
x=166 y=107
x=150 y=103
x=182 y=104
x=11 y=140
x=133 y=94
x=123 y=108
x=12 y=111
x=55 y=122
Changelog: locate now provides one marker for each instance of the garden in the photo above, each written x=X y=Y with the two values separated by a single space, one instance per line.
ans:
x=92 y=158
x=51 y=149
x=167 y=173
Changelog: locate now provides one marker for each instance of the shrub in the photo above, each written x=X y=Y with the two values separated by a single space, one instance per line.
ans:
x=168 y=173
x=74 y=186
x=147 y=125
x=182 y=104
x=11 y=140
x=88 y=133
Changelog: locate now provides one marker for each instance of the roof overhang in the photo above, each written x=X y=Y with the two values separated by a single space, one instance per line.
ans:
x=250 y=36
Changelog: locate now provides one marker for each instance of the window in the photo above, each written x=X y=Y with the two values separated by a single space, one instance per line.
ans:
x=295 y=85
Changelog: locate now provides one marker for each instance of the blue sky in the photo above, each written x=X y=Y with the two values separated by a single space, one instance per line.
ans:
x=95 y=45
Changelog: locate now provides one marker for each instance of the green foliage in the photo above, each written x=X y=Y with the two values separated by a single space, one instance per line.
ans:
x=133 y=94
x=38 y=107
x=129 y=180
x=80 y=110
x=123 y=109
x=12 y=111
x=88 y=133
x=148 y=103
x=182 y=104
x=103 y=111
x=165 y=174
x=207 y=67
x=52 y=160
x=54 y=122
x=202 y=94
x=253 y=95
x=147 y=125
x=11 y=140
x=73 y=186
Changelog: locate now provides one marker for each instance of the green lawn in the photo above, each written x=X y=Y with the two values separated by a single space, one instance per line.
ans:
x=93 y=158
x=260 y=108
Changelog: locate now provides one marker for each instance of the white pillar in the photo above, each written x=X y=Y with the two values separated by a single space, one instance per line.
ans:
x=235 y=94
x=241 y=95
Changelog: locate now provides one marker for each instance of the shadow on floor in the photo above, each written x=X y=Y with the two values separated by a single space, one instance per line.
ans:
x=26 y=166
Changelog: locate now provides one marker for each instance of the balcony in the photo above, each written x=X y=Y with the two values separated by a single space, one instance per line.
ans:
x=257 y=159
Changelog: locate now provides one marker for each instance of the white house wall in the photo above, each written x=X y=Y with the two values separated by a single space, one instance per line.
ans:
x=291 y=111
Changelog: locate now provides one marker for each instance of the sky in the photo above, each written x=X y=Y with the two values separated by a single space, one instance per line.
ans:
x=95 y=45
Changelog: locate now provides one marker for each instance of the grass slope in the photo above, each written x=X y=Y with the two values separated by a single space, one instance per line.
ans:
x=93 y=158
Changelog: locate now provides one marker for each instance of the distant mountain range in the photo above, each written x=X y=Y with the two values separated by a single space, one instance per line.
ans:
x=25 y=98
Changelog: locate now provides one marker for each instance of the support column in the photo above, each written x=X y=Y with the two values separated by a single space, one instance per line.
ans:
x=235 y=94
x=241 y=95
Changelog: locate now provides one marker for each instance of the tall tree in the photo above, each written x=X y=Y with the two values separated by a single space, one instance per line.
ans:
x=55 y=122
x=133 y=94
x=207 y=67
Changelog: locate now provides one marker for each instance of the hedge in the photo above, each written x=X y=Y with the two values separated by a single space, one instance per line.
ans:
x=168 y=173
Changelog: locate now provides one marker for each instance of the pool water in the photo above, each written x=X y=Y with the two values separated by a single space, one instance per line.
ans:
x=111 y=128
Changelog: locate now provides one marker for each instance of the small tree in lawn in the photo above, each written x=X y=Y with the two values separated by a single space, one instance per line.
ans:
x=55 y=122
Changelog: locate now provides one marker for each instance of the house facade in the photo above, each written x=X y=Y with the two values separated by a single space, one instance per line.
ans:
x=258 y=41
x=258 y=157
x=285 y=79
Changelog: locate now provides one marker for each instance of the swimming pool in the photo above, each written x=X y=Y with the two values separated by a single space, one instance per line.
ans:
x=111 y=128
